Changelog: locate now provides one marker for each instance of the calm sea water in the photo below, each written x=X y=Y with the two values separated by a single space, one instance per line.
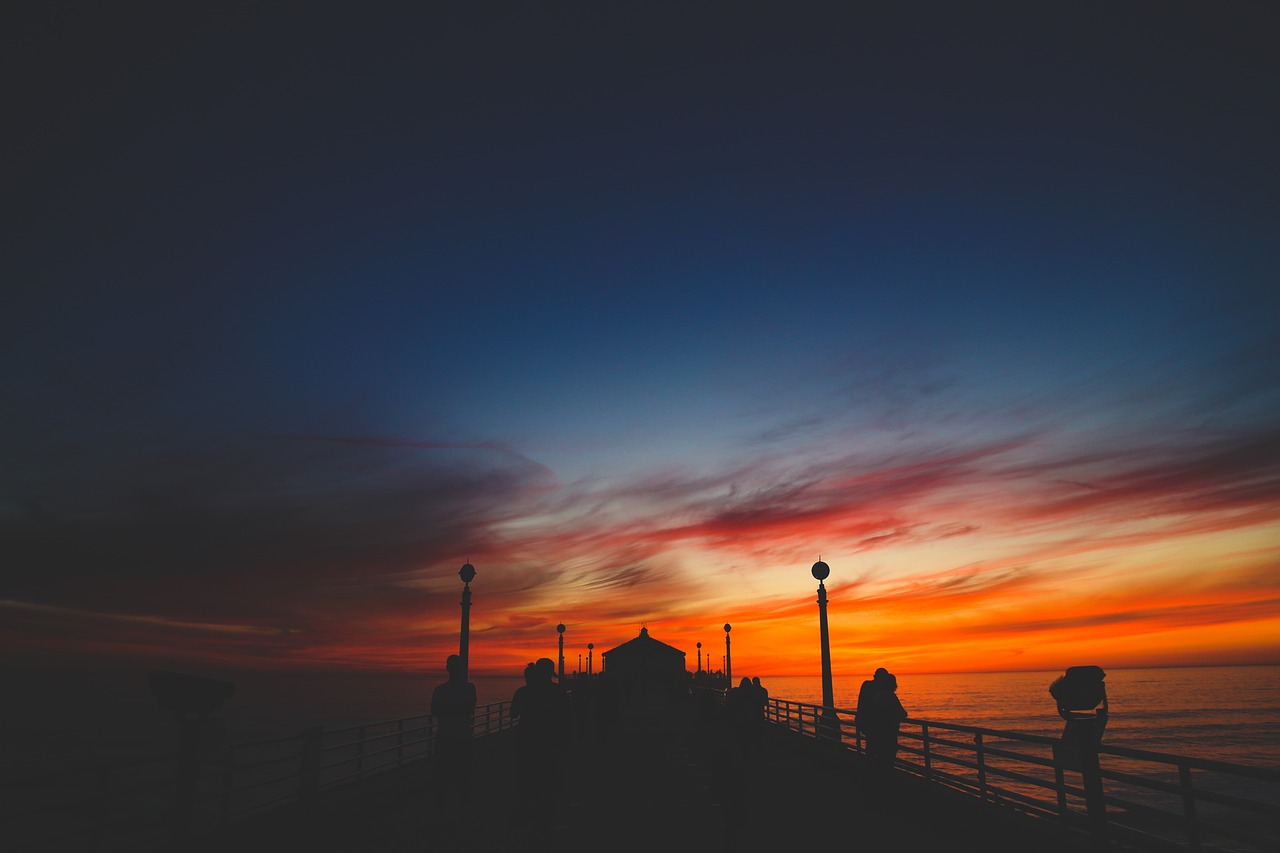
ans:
x=1227 y=713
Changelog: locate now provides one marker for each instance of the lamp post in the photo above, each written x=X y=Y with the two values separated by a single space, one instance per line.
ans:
x=699 y=657
x=590 y=646
x=830 y=722
x=728 y=660
x=468 y=574
x=560 y=631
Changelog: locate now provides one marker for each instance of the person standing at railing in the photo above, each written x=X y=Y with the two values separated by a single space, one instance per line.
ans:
x=543 y=715
x=453 y=705
x=762 y=708
x=880 y=722
x=866 y=692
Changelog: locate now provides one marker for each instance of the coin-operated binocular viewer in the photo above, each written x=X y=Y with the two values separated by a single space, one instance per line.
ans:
x=191 y=699
x=1081 y=696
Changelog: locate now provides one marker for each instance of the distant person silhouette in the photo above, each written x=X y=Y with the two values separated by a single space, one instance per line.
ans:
x=744 y=714
x=862 y=712
x=543 y=715
x=881 y=726
x=453 y=704
x=762 y=709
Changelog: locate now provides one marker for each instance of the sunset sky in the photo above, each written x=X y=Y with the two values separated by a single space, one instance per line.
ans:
x=641 y=309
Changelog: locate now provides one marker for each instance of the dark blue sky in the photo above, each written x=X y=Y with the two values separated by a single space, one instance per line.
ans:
x=299 y=295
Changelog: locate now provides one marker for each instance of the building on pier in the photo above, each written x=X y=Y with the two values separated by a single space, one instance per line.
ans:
x=646 y=669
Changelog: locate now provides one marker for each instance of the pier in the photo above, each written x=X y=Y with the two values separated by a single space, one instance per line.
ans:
x=659 y=780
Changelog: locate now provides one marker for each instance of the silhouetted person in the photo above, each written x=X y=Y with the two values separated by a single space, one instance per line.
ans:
x=881 y=726
x=543 y=714
x=744 y=712
x=865 y=693
x=762 y=708
x=453 y=704
x=1081 y=696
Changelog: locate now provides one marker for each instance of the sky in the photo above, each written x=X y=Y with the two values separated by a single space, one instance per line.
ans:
x=641 y=309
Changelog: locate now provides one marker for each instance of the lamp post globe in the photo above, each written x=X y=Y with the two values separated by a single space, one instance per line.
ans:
x=820 y=571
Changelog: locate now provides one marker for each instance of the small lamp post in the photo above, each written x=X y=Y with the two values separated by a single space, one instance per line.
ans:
x=468 y=574
x=560 y=631
x=590 y=647
x=831 y=722
x=728 y=659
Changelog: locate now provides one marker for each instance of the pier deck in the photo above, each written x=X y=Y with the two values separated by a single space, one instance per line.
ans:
x=658 y=783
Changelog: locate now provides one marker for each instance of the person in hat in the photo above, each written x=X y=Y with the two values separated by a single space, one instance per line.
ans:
x=543 y=716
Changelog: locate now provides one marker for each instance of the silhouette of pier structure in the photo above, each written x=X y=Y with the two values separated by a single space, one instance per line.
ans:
x=654 y=757
x=669 y=772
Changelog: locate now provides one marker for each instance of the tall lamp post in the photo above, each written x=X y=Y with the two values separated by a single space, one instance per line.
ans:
x=560 y=631
x=590 y=646
x=468 y=574
x=831 y=722
x=699 y=657
x=728 y=660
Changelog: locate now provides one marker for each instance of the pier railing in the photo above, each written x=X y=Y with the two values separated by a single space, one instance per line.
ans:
x=133 y=806
x=1152 y=800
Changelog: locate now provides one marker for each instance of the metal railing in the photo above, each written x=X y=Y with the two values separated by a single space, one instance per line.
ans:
x=1153 y=801
x=130 y=806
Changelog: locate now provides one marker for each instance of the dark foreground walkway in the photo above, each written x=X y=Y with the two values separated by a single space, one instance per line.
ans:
x=659 y=784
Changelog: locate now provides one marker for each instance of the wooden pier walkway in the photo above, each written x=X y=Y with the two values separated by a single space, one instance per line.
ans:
x=658 y=784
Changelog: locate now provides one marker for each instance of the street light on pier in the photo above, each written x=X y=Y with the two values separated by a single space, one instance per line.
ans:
x=699 y=657
x=728 y=660
x=468 y=574
x=590 y=646
x=831 y=722
x=560 y=631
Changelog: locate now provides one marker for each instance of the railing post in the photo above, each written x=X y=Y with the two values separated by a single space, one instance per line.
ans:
x=982 y=766
x=1189 y=807
x=309 y=763
x=928 y=754
x=1060 y=783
